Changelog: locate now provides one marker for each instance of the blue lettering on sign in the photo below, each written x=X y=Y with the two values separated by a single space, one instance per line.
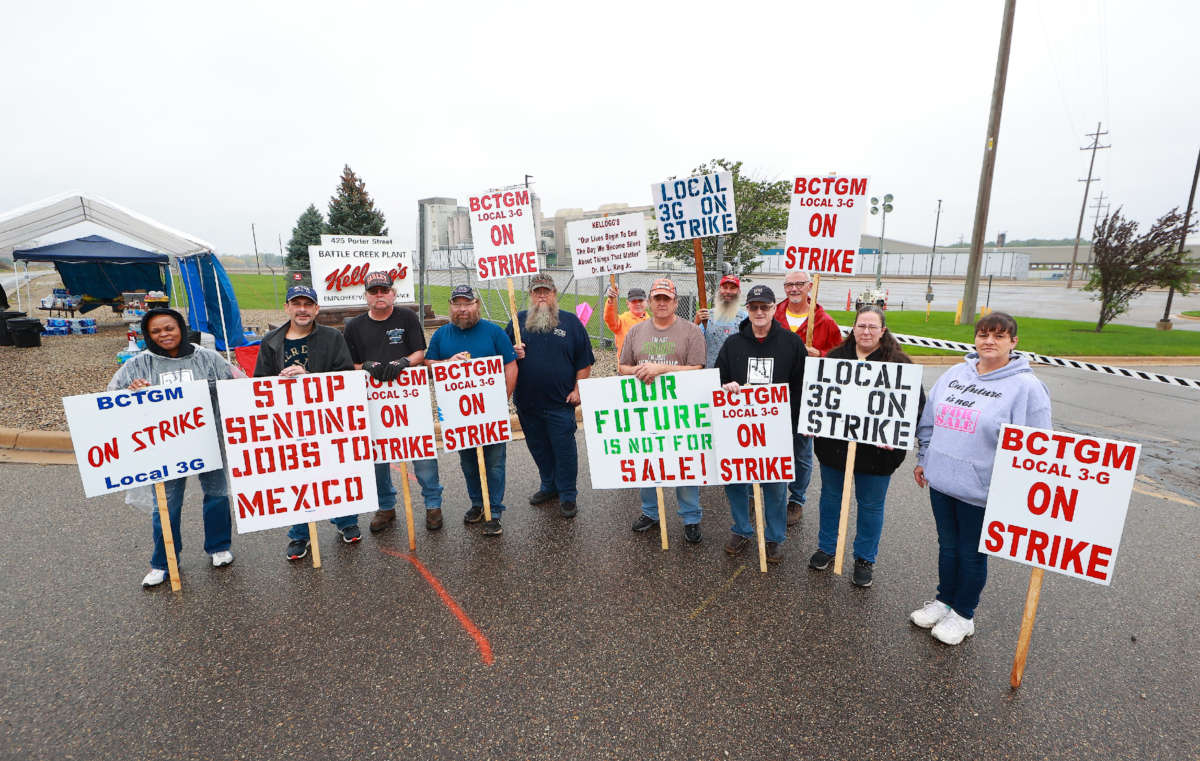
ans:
x=146 y=396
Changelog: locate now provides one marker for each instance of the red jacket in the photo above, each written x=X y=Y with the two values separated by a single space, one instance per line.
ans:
x=826 y=334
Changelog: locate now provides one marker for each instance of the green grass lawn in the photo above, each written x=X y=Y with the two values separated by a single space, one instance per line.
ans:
x=1193 y=313
x=253 y=291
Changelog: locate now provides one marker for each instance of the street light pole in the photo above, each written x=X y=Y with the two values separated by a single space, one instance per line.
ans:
x=876 y=207
x=932 y=251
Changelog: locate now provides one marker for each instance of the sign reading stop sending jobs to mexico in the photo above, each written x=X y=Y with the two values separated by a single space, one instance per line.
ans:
x=694 y=207
x=1058 y=501
x=825 y=224
x=341 y=263
x=607 y=246
x=472 y=402
x=502 y=230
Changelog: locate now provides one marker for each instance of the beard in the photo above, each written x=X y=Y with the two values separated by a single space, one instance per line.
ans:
x=725 y=311
x=541 y=318
x=465 y=321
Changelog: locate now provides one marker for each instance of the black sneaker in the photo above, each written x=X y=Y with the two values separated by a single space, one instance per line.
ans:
x=691 y=533
x=351 y=534
x=774 y=553
x=474 y=515
x=492 y=528
x=820 y=560
x=644 y=523
x=863 y=571
x=542 y=496
x=297 y=549
x=567 y=509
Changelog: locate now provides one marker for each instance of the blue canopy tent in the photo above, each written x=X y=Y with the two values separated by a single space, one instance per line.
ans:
x=101 y=269
x=212 y=307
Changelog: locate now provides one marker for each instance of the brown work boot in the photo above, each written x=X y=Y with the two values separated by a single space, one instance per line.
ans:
x=433 y=519
x=383 y=519
x=795 y=511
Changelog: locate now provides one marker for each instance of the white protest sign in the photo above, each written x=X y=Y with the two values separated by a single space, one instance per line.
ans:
x=752 y=428
x=825 y=224
x=854 y=400
x=607 y=246
x=401 y=417
x=298 y=449
x=472 y=401
x=341 y=262
x=124 y=439
x=1058 y=500
x=649 y=434
x=694 y=207
x=502 y=228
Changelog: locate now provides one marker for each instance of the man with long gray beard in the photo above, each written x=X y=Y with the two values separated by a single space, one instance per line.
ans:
x=723 y=320
x=555 y=354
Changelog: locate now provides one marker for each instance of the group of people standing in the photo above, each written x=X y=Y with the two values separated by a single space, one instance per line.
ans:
x=757 y=340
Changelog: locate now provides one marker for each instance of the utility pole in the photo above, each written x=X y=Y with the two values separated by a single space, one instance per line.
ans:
x=983 y=199
x=257 y=262
x=1165 y=323
x=929 y=284
x=1095 y=146
x=1099 y=205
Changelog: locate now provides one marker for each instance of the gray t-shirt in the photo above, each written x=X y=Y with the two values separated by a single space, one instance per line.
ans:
x=680 y=344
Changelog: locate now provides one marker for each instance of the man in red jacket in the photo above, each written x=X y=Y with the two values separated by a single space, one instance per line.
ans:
x=792 y=313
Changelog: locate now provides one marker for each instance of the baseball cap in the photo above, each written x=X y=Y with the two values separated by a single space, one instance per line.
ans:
x=376 y=279
x=301 y=290
x=761 y=294
x=664 y=286
x=731 y=279
x=636 y=293
x=541 y=280
x=462 y=292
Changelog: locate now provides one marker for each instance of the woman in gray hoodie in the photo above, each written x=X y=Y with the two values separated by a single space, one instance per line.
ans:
x=169 y=359
x=957 y=436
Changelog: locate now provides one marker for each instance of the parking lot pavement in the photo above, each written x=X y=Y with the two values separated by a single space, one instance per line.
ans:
x=601 y=644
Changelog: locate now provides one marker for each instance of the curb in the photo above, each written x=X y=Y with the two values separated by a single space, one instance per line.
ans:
x=41 y=441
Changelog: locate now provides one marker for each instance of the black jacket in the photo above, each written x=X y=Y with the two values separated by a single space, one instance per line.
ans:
x=327 y=351
x=781 y=345
x=868 y=459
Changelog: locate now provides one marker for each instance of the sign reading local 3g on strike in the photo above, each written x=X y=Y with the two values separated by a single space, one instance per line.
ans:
x=694 y=207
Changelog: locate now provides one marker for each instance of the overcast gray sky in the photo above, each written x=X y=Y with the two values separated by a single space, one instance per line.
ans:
x=210 y=116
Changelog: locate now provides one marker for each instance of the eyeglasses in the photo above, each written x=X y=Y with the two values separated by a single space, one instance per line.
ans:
x=800 y=284
x=759 y=307
x=378 y=290
x=869 y=328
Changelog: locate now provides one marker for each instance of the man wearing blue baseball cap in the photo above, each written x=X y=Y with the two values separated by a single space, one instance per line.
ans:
x=302 y=346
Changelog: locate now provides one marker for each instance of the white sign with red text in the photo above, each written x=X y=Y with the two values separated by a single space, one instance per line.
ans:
x=649 y=434
x=340 y=264
x=472 y=400
x=855 y=400
x=401 y=417
x=752 y=429
x=607 y=246
x=694 y=207
x=1058 y=501
x=124 y=439
x=502 y=228
x=297 y=449
x=825 y=224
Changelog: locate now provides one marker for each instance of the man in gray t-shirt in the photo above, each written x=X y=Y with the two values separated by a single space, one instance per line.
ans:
x=664 y=344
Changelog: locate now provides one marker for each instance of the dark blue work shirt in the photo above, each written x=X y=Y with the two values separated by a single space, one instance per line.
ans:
x=547 y=374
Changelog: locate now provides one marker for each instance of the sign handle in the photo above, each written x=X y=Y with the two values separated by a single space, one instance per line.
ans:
x=759 y=528
x=847 y=484
x=662 y=517
x=487 y=499
x=812 y=310
x=314 y=544
x=1032 y=595
x=408 y=516
x=164 y=520
x=512 y=308
x=701 y=288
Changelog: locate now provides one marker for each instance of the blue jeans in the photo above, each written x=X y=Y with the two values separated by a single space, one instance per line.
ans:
x=870 y=491
x=962 y=568
x=218 y=526
x=802 y=451
x=494 y=456
x=550 y=436
x=426 y=472
x=774 y=510
x=688 y=498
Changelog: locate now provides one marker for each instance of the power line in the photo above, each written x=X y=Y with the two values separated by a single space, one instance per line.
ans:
x=1095 y=146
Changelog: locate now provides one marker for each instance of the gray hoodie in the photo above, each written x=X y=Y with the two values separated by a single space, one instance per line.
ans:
x=200 y=364
x=959 y=428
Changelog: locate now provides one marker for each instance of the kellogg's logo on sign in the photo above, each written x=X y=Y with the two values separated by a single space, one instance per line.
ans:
x=353 y=276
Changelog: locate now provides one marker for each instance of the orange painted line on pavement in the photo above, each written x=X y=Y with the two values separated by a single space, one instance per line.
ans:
x=396 y=467
x=485 y=647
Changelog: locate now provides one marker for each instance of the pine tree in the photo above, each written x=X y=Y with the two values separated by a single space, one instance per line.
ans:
x=307 y=232
x=351 y=210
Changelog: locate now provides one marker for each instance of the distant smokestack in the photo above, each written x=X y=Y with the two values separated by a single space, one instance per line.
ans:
x=1000 y=238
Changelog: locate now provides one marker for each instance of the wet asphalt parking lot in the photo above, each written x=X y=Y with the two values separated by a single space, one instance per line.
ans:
x=591 y=642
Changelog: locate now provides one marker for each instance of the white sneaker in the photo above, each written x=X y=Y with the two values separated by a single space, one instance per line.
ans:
x=926 y=617
x=154 y=578
x=953 y=629
x=224 y=557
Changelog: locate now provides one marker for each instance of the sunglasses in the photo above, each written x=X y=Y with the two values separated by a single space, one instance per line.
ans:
x=378 y=290
x=759 y=307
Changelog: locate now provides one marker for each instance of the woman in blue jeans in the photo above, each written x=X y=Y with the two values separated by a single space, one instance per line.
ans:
x=956 y=448
x=869 y=340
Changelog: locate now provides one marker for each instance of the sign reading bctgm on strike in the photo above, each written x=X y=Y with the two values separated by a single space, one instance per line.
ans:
x=341 y=263
x=753 y=431
x=825 y=224
x=694 y=207
x=472 y=400
x=649 y=434
x=607 y=246
x=401 y=417
x=502 y=227
x=867 y=402
x=124 y=439
x=297 y=449
x=1058 y=501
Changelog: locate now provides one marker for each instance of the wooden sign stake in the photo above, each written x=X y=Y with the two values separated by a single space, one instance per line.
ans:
x=408 y=515
x=487 y=500
x=759 y=528
x=314 y=544
x=844 y=518
x=512 y=308
x=662 y=517
x=701 y=288
x=812 y=309
x=164 y=520
x=1032 y=595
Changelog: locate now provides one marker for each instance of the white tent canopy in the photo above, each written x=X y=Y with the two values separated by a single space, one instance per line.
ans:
x=49 y=215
